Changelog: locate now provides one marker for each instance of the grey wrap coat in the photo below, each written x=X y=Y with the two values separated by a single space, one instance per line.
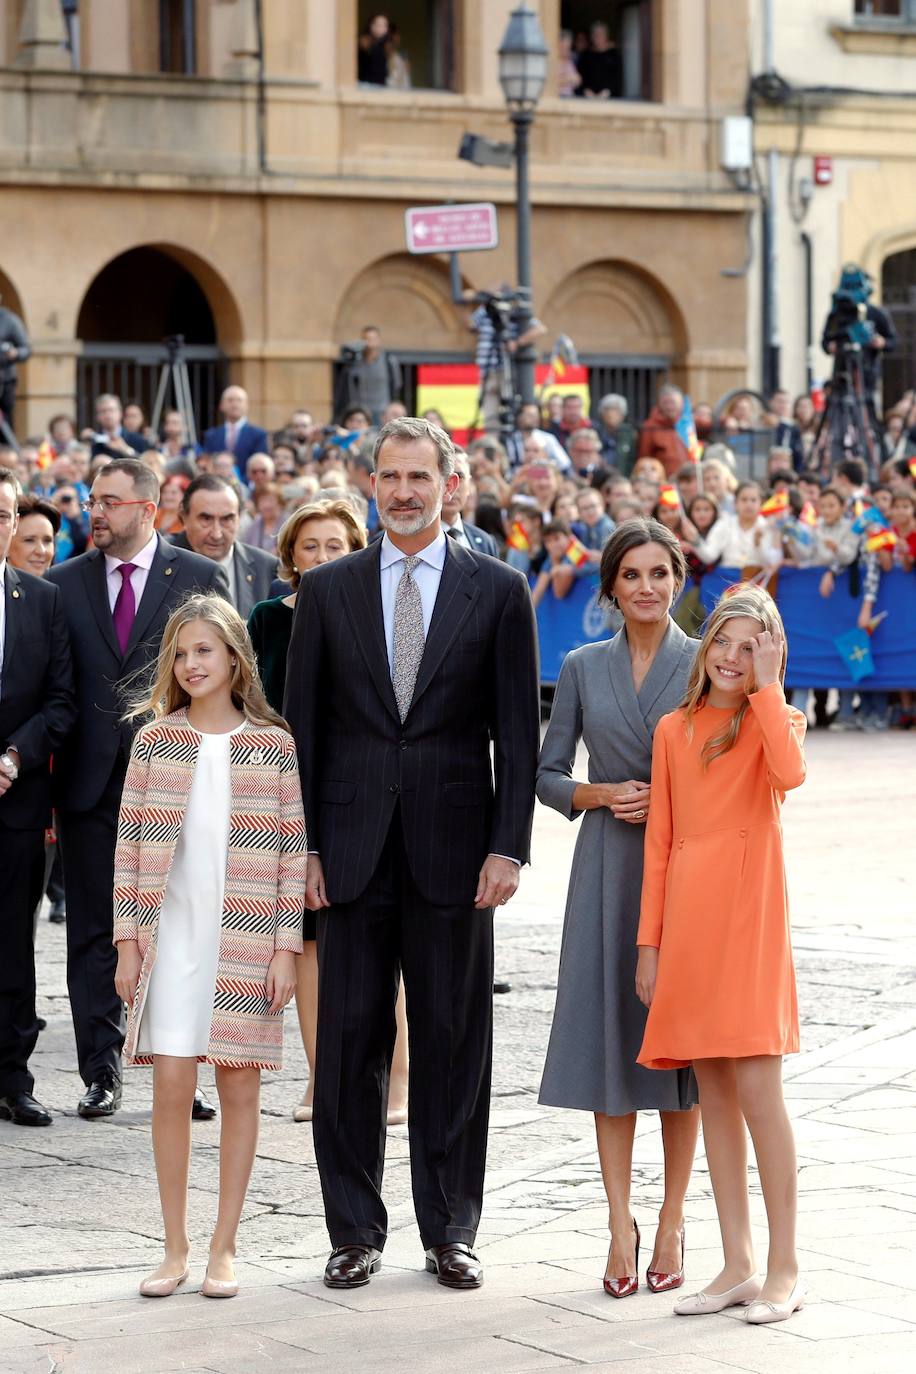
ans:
x=598 y=1022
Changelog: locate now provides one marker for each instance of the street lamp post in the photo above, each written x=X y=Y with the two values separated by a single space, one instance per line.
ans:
x=523 y=57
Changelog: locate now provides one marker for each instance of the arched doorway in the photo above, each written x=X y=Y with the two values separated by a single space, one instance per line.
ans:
x=627 y=330
x=135 y=303
x=410 y=300
x=898 y=296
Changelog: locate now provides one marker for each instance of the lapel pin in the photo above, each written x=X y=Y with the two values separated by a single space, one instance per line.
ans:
x=168 y=572
x=16 y=593
x=249 y=577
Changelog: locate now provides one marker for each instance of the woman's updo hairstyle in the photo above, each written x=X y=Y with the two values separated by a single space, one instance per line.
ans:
x=631 y=534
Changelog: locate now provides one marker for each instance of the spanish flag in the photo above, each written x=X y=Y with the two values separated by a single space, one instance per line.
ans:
x=668 y=496
x=576 y=552
x=913 y=467
x=46 y=453
x=518 y=539
x=880 y=539
x=777 y=504
x=808 y=515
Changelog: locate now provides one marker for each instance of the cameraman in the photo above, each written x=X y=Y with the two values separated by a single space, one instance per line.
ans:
x=14 y=348
x=497 y=335
x=849 y=313
x=371 y=377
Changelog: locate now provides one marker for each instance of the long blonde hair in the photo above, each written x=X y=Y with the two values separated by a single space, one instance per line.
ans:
x=740 y=600
x=164 y=695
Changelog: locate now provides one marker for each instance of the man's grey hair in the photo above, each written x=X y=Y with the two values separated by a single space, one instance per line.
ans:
x=669 y=389
x=409 y=427
x=591 y=435
x=614 y=399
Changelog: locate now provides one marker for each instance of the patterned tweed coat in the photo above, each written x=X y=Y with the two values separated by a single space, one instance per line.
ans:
x=265 y=876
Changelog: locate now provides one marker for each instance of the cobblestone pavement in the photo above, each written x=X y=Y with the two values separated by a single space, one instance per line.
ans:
x=79 y=1219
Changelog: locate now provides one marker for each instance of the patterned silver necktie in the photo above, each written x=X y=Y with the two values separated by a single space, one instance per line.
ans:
x=409 y=639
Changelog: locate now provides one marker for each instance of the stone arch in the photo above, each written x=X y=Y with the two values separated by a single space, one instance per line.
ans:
x=147 y=266
x=409 y=298
x=615 y=307
x=9 y=296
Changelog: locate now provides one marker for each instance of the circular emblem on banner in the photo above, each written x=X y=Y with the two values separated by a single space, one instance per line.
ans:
x=594 y=622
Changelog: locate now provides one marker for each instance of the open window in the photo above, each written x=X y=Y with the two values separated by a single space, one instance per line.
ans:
x=609 y=47
x=410 y=45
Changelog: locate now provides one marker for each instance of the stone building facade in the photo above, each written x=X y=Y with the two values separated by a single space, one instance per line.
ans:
x=214 y=168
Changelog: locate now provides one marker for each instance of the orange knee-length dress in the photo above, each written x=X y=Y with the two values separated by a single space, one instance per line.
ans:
x=714 y=898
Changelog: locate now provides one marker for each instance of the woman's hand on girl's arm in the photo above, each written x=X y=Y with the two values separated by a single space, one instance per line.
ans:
x=646 y=973
x=127 y=973
x=281 y=979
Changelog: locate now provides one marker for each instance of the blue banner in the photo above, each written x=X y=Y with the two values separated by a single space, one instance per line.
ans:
x=813 y=624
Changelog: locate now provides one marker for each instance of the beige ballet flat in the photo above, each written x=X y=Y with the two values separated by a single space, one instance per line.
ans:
x=760 y=1313
x=162 y=1288
x=303 y=1111
x=218 y=1288
x=705 y=1304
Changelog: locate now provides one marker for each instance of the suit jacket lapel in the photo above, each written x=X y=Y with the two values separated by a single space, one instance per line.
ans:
x=96 y=580
x=363 y=599
x=622 y=682
x=244 y=580
x=454 y=602
x=664 y=665
x=13 y=597
x=158 y=582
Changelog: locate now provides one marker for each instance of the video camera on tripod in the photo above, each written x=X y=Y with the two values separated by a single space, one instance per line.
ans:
x=848 y=322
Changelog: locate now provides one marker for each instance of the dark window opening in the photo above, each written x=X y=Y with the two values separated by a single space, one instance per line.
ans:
x=898 y=297
x=622 y=64
x=417 y=52
x=178 y=37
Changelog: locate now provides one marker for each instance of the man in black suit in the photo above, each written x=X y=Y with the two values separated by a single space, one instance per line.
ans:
x=37 y=708
x=453 y=522
x=237 y=435
x=211 y=526
x=408 y=660
x=110 y=436
x=116 y=599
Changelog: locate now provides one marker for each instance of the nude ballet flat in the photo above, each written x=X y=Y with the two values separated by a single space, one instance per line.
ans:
x=162 y=1288
x=705 y=1304
x=218 y=1288
x=302 y=1111
x=760 y=1313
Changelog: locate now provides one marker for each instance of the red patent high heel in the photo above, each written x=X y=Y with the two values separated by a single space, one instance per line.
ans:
x=625 y=1287
x=660 y=1282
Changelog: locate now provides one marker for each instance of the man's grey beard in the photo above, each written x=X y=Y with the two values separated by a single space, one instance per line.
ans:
x=412 y=522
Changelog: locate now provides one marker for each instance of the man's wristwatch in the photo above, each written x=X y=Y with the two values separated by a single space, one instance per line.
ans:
x=10 y=767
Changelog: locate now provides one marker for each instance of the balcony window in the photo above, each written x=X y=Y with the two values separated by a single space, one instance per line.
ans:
x=177 y=37
x=413 y=50
x=606 y=49
x=889 y=12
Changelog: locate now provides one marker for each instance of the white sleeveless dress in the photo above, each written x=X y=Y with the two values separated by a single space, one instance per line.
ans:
x=179 y=1004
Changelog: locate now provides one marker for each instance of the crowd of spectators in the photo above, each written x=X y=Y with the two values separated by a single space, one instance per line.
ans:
x=545 y=498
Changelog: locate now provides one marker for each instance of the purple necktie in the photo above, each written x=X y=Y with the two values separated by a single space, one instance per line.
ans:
x=125 y=608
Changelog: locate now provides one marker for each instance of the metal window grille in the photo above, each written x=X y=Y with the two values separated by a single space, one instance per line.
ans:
x=132 y=372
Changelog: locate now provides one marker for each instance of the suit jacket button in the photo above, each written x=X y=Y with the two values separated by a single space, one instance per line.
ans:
x=403 y=743
x=394 y=788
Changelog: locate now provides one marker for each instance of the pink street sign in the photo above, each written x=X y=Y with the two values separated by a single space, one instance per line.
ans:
x=451 y=228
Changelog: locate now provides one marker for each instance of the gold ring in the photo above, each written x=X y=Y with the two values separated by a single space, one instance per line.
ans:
x=640 y=815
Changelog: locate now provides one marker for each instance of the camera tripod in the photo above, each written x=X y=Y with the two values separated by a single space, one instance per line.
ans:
x=6 y=433
x=846 y=428
x=175 y=372
x=499 y=367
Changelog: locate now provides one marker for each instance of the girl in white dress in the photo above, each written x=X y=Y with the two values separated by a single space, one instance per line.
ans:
x=209 y=886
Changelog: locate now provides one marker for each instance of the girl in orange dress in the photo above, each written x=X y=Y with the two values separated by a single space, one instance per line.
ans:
x=715 y=956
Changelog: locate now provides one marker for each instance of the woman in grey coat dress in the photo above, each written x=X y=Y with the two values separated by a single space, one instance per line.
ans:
x=612 y=695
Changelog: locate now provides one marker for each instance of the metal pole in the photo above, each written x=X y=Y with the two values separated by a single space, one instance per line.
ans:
x=809 y=311
x=526 y=355
x=773 y=340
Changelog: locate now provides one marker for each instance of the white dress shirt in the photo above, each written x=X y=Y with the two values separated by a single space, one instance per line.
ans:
x=427 y=575
x=142 y=562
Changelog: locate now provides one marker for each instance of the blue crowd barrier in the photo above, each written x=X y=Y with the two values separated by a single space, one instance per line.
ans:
x=812 y=625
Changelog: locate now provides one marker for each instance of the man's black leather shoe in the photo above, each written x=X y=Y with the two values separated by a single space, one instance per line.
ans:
x=456 y=1265
x=58 y=914
x=101 y=1098
x=202 y=1110
x=352 y=1266
x=23 y=1110
x=500 y=985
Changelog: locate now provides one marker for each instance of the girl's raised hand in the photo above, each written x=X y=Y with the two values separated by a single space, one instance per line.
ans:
x=766 y=649
x=281 y=979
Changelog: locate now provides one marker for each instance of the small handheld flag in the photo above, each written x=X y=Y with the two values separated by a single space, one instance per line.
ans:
x=855 y=651
x=518 y=539
x=867 y=516
x=808 y=515
x=668 y=496
x=777 y=504
x=880 y=539
x=576 y=552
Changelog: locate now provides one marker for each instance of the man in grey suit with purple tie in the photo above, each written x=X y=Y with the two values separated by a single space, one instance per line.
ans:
x=409 y=662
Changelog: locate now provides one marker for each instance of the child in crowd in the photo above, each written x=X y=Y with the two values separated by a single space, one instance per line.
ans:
x=209 y=894
x=745 y=540
x=556 y=573
x=715 y=963
x=903 y=517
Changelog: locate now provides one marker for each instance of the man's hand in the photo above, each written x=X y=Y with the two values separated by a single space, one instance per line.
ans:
x=316 y=896
x=127 y=974
x=497 y=883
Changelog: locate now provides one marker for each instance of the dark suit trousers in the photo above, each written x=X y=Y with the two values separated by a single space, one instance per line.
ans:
x=446 y=957
x=22 y=863
x=87 y=840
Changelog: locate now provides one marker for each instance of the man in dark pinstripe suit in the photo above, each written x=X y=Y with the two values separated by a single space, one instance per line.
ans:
x=408 y=660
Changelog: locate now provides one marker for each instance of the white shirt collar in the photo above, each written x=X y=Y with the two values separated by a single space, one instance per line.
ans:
x=143 y=559
x=434 y=553
x=227 y=561
x=2 y=573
